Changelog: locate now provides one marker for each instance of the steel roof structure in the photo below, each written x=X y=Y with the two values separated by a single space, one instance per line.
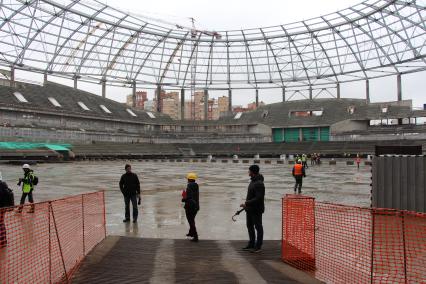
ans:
x=93 y=42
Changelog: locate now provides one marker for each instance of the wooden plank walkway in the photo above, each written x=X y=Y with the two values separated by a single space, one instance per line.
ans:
x=139 y=260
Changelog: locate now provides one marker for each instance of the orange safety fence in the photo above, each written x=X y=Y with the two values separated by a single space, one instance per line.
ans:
x=347 y=244
x=48 y=245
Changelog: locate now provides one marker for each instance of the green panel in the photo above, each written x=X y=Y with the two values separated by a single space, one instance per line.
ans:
x=291 y=134
x=277 y=135
x=325 y=134
x=310 y=134
x=27 y=146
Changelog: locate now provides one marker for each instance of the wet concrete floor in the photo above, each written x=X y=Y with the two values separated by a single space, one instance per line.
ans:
x=223 y=187
x=136 y=260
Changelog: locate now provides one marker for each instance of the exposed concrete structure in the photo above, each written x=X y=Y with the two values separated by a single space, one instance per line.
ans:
x=344 y=117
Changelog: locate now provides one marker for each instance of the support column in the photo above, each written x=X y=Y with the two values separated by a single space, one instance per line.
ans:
x=158 y=98
x=229 y=101
x=104 y=88
x=134 y=94
x=182 y=104
x=44 y=78
x=12 y=76
x=338 y=90
x=206 y=104
x=75 y=81
x=257 y=98
x=283 y=94
x=399 y=92
x=367 y=90
x=310 y=92
x=399 y=87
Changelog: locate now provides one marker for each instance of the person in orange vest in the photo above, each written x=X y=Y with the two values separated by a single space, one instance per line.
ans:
x=299 y=173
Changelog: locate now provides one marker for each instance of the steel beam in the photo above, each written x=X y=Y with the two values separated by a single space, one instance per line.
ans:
x=399 y=87
x=12 y=76
x=230 y=100
x=283 y=94
x=182 y=104
x=338 y=90
x=134 y=94
x=104 y=88
x=367 y=90
x=206 y=104
x=75 y=81
x=257 y=98
x=158 y=98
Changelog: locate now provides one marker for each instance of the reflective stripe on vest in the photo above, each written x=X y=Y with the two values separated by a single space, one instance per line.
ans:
x=298 y=170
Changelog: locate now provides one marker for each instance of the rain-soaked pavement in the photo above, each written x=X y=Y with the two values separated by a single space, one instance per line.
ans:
x=222 y=188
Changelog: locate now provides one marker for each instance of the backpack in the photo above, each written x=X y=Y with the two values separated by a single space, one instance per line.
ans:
x=35 y=180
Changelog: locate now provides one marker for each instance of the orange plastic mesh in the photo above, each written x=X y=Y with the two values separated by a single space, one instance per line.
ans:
x=298 y=242
x=46 y=246
x=354 y=245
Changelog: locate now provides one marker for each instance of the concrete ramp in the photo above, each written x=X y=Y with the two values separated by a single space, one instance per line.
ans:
x=138 y=260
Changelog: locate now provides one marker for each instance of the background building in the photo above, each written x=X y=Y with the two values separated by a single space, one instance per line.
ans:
x=141 y=98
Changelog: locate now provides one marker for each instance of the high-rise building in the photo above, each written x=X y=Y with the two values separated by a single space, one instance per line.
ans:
x=168 y=96
x=171 y=107
x=141 y=98
x=252 y=106
x=223 y=103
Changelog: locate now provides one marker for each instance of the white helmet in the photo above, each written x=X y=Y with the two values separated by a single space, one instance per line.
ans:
x=26 y=166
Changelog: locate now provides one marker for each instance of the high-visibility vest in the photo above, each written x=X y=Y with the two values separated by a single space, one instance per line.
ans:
x=298 y=170
x=27 y=183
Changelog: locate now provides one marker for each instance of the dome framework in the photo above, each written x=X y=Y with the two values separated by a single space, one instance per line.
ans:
x=92 y=42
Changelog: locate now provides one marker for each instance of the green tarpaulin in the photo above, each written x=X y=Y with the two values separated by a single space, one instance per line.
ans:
x=29 y=146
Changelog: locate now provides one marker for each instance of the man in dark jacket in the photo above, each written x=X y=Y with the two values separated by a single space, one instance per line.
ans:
x=6 y=200
x=130 y=187
x=192 y=205
x=255 y=207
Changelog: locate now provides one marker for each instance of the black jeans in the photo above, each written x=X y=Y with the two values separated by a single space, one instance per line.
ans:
x=3 y=239
x=30 y=197
x=254 y=221
x=127 y=200
x=190 y=216
x=298 y=185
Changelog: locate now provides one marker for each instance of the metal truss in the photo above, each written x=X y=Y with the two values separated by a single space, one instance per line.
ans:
x=97 y=43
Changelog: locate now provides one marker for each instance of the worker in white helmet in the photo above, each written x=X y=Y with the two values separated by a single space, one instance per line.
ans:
x=28 y=182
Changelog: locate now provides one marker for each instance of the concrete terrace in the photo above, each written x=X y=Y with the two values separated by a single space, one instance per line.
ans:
x=141 y=260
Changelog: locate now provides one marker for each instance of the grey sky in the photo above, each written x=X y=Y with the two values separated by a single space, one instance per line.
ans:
x=236 y=14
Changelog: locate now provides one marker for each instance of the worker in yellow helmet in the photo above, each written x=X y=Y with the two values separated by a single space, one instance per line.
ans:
x=192 y=205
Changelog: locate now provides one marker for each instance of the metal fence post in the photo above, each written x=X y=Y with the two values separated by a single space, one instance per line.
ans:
x=404 y=245
x=373 y=214
x=50 y=246
x=59 y=243
x=82 y=216
x=103 y=198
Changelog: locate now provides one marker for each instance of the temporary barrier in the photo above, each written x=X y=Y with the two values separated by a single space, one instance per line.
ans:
x=46 y=246
x=352 y=244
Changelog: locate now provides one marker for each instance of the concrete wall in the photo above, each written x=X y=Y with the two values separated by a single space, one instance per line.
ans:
x=261 y=129
x=73 y=136
x=348 y=125
x=399 y=182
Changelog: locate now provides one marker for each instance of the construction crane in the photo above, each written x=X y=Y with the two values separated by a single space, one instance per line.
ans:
x=194 y=33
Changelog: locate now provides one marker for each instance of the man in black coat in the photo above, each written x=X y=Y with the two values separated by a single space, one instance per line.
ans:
x=6 y=200
x=130 y=187
x=192 y=204
x=255 y=207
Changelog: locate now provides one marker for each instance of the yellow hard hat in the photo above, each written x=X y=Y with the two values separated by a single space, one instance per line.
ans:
x=192 y=176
